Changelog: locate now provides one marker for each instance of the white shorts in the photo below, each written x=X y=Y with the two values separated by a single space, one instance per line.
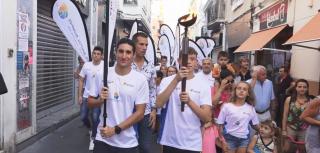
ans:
x=265 y=116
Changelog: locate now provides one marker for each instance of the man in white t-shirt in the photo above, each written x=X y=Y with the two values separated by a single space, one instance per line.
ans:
x=127 y=95
x=206 y=72
x=87 y=74
x=181 y=131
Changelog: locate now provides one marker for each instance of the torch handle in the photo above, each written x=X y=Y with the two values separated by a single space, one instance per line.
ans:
x=185 y=64
x=106 y=62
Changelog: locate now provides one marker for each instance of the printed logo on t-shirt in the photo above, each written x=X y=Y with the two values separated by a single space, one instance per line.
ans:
x=127 y=84
x=116 y=95
x=237 y=123
x=194 y=91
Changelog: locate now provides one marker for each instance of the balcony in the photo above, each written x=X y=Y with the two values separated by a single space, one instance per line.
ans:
x=215 y=14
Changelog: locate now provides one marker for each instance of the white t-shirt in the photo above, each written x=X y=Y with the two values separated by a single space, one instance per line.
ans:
x=182 y=129
x=124 y=93
x=89 y=72
x=207 y=77
x=236 y=119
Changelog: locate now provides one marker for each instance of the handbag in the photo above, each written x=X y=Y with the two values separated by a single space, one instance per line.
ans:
x=3 y=87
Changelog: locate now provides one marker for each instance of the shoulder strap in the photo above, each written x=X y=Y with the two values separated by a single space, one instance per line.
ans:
x=267 y=145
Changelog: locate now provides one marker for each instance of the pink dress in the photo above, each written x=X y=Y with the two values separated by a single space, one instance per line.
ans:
x=211 y=133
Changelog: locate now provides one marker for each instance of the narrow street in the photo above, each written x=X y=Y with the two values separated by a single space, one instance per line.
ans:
x=72 y=137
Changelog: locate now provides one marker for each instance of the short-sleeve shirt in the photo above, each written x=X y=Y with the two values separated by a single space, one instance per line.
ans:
x=124 y=93
x=264 y=94
x=236 y=119
x=207 y=77
x=178 y=129
x=90 y=71
x=149 y=71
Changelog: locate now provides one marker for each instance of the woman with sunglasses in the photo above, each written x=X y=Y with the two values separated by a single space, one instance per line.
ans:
x=221 y=93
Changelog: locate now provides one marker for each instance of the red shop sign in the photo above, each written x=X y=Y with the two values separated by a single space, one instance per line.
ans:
x=273 y=16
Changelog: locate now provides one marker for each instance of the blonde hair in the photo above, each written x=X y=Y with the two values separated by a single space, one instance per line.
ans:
x=250 y=99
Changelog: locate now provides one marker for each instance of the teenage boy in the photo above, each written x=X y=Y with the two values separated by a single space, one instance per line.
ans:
x=126 y=97
x=87 y=74
x=180 y=132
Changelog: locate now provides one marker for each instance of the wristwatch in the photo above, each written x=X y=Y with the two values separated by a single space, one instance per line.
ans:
x=117 y=129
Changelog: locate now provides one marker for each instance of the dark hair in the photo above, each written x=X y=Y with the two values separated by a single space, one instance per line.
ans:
x=164 y=57
x=126 y=41
x=285 y=69
x=159 y=74
x=98 y=48
x=223 y=54
x=175 y=68
x=191 y=51
x=225 y=73
x=138 y=34
x=294 y=92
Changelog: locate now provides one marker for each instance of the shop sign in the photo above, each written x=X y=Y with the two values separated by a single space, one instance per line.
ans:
x=274 y=15
x=236 y=3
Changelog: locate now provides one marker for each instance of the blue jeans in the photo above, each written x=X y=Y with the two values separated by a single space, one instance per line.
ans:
x=147 y=138
x=84 y=115
x=235 y=142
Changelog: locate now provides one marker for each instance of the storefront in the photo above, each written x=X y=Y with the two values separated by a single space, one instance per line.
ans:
x=306 y=45
x=266 y=43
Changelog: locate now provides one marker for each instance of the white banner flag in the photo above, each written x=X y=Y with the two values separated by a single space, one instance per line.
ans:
x=134 y=29
x=198 y=49
x=68 y=18
x=166 y=30
x=113 y=8
x=164 y=47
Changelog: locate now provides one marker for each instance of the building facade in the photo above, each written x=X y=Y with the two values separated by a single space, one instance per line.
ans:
x=216 y=24
x=305 y=61
x=238 y=25
x=273 y=23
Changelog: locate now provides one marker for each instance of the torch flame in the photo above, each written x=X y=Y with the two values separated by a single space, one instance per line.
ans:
x=189 y=17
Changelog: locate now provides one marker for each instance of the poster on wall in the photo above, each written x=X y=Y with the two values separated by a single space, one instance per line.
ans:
x=24 y=68
x=23 y=98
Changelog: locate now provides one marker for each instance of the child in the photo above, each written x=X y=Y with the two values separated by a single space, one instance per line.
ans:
x=264 y=142
x=222 y=65
x=235 y=117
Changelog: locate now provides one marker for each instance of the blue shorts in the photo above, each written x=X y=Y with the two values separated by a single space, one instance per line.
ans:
x=235 y=142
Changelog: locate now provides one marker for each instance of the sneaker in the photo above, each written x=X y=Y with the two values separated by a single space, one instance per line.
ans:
x=90 y=133
x=91 y=145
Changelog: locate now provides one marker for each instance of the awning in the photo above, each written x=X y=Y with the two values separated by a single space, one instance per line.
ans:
x=259 y=39
x=310 y=32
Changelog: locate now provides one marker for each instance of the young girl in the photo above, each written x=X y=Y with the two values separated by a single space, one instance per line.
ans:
x=236 y=116
x=221 y=93
x=294 y=129
x=264 y=142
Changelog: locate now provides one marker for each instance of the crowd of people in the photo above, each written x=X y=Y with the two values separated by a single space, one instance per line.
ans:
x=227 y=108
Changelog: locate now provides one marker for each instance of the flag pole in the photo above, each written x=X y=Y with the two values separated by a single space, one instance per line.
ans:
x=106 y=60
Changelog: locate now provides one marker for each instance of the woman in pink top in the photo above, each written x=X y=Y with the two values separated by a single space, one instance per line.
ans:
x=221 y=93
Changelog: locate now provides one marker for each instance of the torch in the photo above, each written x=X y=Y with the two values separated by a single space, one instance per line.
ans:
x=186 y=21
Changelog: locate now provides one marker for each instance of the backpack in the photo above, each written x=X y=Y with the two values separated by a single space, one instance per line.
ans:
x=3 y=87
